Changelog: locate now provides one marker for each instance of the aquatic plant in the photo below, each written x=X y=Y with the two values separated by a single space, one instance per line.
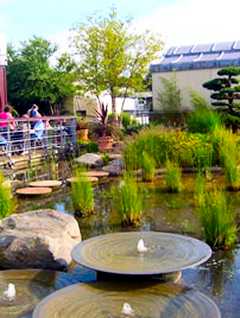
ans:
x=203 y=119
x=128 y=200
x=217 y=220
x=178 y=146
x=148 y=167
x=229 y=156
x=173 y=176
x=82 y=194
x=200 y=188
x=7 y=202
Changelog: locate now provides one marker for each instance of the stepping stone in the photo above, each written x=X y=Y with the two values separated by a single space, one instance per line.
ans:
x=31 y=191
x=96 y=173
x=74 y=179
x=46 y=184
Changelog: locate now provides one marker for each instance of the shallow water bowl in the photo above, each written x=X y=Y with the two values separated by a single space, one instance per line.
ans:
x=117 y=253
x=46 y=184
x=31 y=287
x=74 y=179
x=31 y=191
x=146 y=300
x=97 y=174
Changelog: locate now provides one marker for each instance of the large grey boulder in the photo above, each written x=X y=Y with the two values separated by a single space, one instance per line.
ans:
x=38 y=239
x=90 y=159
x=115 y=168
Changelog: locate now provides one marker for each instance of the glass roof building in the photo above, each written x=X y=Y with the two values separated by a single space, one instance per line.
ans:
x=192 y=65
x=200 y=56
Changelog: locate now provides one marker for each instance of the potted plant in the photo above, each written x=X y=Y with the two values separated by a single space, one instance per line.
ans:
x=82 y=129
x=105 y=141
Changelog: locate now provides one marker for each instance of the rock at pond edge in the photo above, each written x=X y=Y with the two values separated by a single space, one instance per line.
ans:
x=38 y=239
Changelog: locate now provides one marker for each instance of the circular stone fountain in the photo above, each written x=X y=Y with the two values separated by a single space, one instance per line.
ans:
x=145 y=300
x=31 y=287
x=117 y=253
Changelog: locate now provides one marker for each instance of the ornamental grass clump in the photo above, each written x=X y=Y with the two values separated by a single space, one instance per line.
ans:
x=203 y=119
x=82 y=194
x=217 y=220
x=148 y=167
x=173 y=177
x=7 y=202
x=128 y=200
x=230 y=160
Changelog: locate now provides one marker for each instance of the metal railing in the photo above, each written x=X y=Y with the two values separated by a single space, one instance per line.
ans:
x=25 y=136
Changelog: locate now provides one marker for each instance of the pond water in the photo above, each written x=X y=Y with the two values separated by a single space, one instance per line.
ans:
x=219 y=278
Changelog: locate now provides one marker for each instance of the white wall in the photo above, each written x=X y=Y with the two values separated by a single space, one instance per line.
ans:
x=186 y=81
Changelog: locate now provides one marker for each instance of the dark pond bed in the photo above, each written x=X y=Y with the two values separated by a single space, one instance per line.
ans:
x=219 y=278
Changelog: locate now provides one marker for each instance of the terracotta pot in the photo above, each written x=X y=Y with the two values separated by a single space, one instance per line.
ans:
x=105 y=143
x=82 y=134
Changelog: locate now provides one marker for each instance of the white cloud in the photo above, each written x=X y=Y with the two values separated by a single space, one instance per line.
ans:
x=193 y=21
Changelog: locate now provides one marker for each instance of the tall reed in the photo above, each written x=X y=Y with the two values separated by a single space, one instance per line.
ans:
x=128 y=200
x=217 y=220
x=148 y=167
x=7 y=202
x=82 y=194
x=173 y=177
x=230 y=159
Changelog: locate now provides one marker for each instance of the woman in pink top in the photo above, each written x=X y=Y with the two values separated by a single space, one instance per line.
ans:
x=5 y=118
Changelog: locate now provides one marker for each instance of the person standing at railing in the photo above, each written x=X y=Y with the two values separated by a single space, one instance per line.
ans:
x=7 y=123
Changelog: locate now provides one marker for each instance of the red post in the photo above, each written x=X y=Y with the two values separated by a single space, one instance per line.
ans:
x=3 y=87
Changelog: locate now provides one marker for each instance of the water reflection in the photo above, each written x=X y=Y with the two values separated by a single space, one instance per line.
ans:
x=219 y=278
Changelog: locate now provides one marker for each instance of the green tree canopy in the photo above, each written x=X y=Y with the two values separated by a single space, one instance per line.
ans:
x=111 y=58
x=31 y=78
x=226 y=90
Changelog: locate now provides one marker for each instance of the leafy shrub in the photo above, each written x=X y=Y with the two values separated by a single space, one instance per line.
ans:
x=105 y=159
x=178 y=146
x=128 y=201
x=173 y=177
x=7 y=203
x=148 y=167
x=217 y=220
x=82 y=194
x=202 y=119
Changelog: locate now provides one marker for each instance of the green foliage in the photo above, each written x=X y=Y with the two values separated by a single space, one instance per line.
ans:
x=111 y=58
x=217 y=220
x=226 y=90
x=160 y=144
x=202 y=119
x=7 y=203
x=173 y=177
x=82 y=194
x=128 y=201
x=230 y=158
x=105 y=159
x=169 y=98
x=126 y=119
x=31 y=78
x=200 y=188
x=148 y=167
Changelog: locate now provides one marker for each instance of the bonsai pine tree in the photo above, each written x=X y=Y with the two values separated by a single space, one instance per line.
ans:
x=226 y=90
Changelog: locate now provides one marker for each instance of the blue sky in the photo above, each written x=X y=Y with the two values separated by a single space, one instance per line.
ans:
x=178 y=21
x=23 y=18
